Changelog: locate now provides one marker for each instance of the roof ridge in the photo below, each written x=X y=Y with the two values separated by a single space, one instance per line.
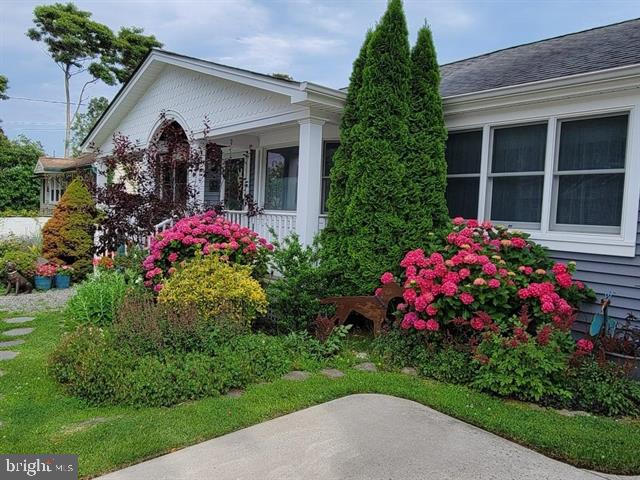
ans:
x=539 y=41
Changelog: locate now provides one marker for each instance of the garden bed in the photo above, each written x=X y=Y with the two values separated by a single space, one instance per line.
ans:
x=37 y=416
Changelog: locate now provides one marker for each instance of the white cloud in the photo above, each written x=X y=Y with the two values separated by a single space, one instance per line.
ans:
x=272 y=53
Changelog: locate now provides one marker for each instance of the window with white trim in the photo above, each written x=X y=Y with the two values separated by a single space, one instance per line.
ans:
x=571 y=182
x=588 y=176
x=463 y=154
x=327 y=162
x=281 y=179
x=516 y=175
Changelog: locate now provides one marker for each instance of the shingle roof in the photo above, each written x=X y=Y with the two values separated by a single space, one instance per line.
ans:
x=600 y=48
x=61 y=164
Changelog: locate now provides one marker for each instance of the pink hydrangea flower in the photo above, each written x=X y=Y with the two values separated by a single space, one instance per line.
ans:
x=386 y=278
x=466 y=298
x=476 y=323
x=585 y=345
x=449 y=289
x=432 y=325
x=420 y=324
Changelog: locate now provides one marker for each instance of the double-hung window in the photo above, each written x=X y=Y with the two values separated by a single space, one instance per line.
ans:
x=515 y=180
x=588 y=180
x=463 y=153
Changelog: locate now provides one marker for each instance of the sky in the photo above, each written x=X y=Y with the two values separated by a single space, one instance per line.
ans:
x=314 y=40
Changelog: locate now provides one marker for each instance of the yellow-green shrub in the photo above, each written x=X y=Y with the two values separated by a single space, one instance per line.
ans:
x=219 y=290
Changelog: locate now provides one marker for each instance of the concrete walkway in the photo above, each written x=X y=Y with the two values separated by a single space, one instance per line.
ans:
x=357 y=437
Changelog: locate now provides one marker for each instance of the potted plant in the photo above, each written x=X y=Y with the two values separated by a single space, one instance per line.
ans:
x=63 y=276
x=44 y=276
x=623 y=347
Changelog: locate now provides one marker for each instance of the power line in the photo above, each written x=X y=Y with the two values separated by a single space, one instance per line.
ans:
x=27 y=99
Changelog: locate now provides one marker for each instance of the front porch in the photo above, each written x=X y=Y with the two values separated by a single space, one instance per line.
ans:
x=283 y=169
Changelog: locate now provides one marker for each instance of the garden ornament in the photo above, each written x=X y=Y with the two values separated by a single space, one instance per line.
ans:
x=15 y=281
x=373 y=307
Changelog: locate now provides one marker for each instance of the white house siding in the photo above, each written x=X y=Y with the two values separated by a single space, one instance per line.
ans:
x=190 y=97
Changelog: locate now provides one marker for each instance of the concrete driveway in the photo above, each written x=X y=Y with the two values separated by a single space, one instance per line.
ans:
x=357 y=437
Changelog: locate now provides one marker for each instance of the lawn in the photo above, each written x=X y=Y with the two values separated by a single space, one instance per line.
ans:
x=37 y=417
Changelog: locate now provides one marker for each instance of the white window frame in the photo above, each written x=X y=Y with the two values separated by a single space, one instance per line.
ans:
x=490 y=176
x=621 y=244
x=322 y=176
x=471 y=175
x=263 y=173
x=561 y=227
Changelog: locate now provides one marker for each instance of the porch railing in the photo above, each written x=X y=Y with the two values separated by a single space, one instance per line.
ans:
x=283 y=223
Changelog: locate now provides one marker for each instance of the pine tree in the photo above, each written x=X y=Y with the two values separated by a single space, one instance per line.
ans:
x=426 y=164
x=367 y=224
x=67 y=238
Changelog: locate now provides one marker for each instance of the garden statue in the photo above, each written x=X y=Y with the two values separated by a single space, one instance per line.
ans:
x=15 y=281
x=372 y=307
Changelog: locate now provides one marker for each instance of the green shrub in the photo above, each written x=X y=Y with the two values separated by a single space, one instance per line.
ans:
x=96 y=366
x=294 y=294
x=89 y=366
x=604 y=389
x=401 y=348
x=96 y=300
x=218 y=290
x=67 y=238
x=524 y=370
x=449 y=365
x=144 y=326
x=23 y=252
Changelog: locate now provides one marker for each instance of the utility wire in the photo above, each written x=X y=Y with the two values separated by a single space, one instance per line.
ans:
x=43 y=100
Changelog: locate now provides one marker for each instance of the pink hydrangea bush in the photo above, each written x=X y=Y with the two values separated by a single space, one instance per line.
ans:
x=477 y=278
x=208 y=233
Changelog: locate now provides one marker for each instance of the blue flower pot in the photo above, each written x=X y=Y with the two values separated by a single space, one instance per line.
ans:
x=42 y=283
x=63 y=281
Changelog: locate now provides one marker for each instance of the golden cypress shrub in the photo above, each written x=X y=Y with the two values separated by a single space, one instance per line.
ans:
x=220 y=291
x=67 y=238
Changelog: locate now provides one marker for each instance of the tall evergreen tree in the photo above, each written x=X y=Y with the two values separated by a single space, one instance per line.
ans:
x=426 y=165
x=332 y=250
x=368 y=223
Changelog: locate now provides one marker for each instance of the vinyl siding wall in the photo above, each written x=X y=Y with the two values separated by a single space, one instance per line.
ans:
x=604 y=273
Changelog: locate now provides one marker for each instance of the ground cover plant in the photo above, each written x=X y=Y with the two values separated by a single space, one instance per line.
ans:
x=39 y=416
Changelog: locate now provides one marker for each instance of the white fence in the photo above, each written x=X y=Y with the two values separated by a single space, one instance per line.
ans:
x=283 y=223
x=22 y=226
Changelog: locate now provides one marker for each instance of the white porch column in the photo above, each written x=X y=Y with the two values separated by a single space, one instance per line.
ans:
x=309 y=174
x=196 y=180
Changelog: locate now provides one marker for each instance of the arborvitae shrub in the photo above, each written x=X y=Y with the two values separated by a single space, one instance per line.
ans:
x=67 y=238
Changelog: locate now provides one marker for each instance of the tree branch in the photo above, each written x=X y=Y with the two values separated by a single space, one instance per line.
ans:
x=80 y=98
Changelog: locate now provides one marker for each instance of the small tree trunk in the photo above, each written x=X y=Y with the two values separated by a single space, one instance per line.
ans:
x=67 y=96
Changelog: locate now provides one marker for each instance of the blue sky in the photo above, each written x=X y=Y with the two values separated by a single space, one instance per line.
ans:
x=313 y=40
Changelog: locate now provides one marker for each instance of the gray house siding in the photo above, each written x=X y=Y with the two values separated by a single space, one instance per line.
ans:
x=604 y=273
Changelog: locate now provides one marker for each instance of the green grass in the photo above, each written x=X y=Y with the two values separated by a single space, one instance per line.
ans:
x=39 y=418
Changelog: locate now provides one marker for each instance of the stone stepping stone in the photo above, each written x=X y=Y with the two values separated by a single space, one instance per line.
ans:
x=11 y=343
x=366 y=367
x=331 y=373
x=234 y=393
x=18 y=319
x=7 y=355
x=296 y=375
x=16 y=332
x=409 y=371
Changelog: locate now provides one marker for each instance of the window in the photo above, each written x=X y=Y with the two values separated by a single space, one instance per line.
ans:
x=463 y=154
x=588 y=182
x=234 y=183
x=281 y=187
x=327 y=162
x=516 y=175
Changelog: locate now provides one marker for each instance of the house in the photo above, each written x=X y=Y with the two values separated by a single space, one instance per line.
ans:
x=544 y=137
x=54 y=174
